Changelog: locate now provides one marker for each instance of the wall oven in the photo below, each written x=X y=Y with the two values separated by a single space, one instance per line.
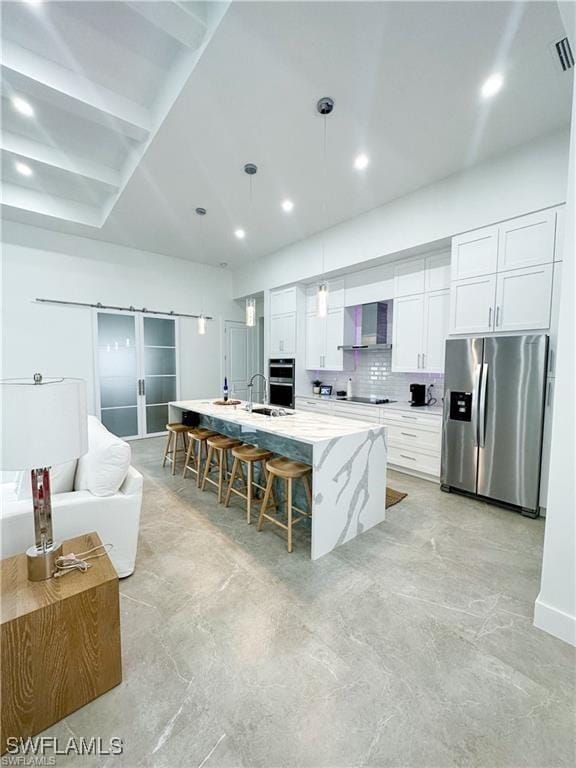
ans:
x=281 y=382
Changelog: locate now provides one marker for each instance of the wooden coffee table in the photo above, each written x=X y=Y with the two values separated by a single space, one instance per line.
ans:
x=60 y=641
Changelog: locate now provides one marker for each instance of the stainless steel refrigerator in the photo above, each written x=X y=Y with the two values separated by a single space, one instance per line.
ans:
x=494 y=391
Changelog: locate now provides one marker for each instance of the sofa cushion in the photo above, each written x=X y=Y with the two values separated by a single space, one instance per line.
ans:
x=103 y=468
x=61 y=480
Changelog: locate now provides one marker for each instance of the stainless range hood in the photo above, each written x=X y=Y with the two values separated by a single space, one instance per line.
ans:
x=374 y=328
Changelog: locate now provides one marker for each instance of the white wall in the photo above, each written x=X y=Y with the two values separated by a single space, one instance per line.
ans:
x=528 y=179
x=58 y=341
x=555 y=609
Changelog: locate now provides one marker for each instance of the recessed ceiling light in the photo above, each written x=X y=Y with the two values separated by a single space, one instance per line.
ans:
x=240 y=234
x=492 y=85
x=22 y=106
x=24 y=169
x=361 y=162
x=223 y=264
x=287 y=206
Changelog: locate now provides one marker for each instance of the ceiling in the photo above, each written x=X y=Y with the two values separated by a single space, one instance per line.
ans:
x=405 y=77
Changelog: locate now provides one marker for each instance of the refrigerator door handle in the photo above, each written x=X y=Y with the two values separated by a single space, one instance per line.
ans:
x=482 y=409
x=475 y=395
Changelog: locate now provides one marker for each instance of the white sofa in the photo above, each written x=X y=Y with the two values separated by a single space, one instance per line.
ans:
x=115 y=516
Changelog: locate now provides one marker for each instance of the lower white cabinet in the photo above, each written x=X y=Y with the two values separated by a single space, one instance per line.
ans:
x=420 y=330
x=523 y=299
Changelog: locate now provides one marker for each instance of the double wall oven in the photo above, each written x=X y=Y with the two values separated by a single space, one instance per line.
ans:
x=281 y=382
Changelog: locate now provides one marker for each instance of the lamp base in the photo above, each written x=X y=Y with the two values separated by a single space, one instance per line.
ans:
x=42 y=564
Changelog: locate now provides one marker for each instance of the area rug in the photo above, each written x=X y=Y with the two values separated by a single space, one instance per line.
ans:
x=393 y=497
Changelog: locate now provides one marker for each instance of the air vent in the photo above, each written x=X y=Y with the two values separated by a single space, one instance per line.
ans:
x=564 y=53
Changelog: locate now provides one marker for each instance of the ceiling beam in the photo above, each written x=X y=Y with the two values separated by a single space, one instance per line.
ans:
x=173 y=20
x=72 y=91
x=14 y=196
x=65 y=161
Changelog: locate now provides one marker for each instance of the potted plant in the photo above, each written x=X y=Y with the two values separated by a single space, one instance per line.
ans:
x=316 y=386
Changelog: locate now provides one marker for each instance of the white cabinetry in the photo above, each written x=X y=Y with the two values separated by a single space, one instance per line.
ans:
x=369 y=285
x=502 y=276
x=410 y=277
x=283 y=322
x=407 y=332
x=420 y=328
x=527 y=240
x=472 y=305
x=325 y=334
x=437 y=272
x=475 y=253
x=523 y=299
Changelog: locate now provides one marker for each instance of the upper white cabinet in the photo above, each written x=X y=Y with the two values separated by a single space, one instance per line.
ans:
x=420 y=328
x=502 y=275
x=283 y=322
x=323 y=337
x=409 y=277
x=283 y=301
x=437 y=273
x=472 y=305
x=527 y=241
x=407 y=332
x=369 y=285
x=475 y=253
x=523 y=299
x=560 y=233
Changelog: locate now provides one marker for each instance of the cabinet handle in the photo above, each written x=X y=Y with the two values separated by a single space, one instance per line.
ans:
x=408 y=434
x=407 y=457
x=551 y=358
x=423 y=359
x=418 y=364
x=143 y=387
x=139 y=386
x=497 y=316
x=490 y=317
x=549 y=394
x=412 y=418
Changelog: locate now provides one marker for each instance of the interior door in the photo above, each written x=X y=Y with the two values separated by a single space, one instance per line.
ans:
x=510 y=418
x=238 y=358
x=159 y=374
x=118 y=372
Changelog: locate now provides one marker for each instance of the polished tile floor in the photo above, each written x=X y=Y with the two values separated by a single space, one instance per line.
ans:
x=411 y=646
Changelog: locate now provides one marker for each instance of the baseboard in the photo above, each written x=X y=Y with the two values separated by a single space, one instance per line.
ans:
x=414 y=473
x=555 y=622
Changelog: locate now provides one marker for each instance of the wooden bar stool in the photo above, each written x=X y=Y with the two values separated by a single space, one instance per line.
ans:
x=197 y=438
x=289 y=471
x=172 y=450
x=249 y=455
x=218 y=447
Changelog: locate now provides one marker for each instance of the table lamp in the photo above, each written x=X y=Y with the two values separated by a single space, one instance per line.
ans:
x=44 y=422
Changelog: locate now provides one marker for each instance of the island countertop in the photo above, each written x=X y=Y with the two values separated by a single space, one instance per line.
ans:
x=348 y=461
x=304 y=426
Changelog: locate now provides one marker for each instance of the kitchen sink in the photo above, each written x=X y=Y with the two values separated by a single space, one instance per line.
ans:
x=271 y=412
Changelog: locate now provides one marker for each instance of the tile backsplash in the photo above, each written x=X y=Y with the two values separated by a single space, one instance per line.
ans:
x=371 y=374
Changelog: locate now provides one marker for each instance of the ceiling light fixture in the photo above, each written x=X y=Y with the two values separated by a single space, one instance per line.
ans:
x=22 y=106
x=361 y=162
x=201 y=211
x=324 y=107
x=492 y=85
x=23 y=169
x=250 y=313
x=240 y=234
x=287 y=206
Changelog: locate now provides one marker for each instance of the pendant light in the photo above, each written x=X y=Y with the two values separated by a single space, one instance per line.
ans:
x=324 y=108
x=250 y=313
x=201 y=319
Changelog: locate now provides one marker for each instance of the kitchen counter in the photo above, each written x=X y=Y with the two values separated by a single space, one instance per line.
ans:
x=348 y=460
x=398 y=406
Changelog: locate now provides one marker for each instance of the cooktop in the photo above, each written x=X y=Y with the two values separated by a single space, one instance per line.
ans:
x=371 y=400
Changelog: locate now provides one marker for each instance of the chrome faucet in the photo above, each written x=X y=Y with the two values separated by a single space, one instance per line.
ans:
x=249 y=404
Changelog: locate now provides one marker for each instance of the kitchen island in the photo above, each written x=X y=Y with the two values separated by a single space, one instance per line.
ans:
x=348 y=460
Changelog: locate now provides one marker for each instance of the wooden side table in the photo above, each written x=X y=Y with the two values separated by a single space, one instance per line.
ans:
x=59 y=643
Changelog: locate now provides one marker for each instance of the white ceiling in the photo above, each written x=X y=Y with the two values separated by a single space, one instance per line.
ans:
x=405 y=77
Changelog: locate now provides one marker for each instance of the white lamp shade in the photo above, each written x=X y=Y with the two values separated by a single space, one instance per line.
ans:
x=42 y=424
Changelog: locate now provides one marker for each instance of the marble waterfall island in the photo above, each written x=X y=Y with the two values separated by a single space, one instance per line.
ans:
x=348 y=460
